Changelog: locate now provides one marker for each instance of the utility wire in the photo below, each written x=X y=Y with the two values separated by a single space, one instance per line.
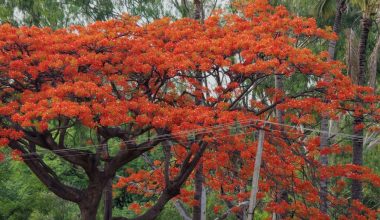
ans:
x=159 y=137
x=214 y=128
x=165 y=137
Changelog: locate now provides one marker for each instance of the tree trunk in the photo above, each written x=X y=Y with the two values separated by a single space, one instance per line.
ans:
x=256 y=176
x=366 y=25
x=324 y=136
x=155 y=210
x=282 y=194
x=279 y=85
x=91 y=199
x=197 y=210
x=352 y=60
x=108 y=200
x=340 y=7
x=89 y=207
x=88 y=213
x=203 y=203
x=198 y=10
x=181 y=210
x=324 y=142
x=357 y=157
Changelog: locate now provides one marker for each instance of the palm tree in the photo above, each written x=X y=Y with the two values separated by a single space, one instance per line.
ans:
x=322 y=7
x=368 y=8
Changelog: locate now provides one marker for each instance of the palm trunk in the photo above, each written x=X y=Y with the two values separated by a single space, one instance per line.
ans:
x=357 y=157
x=324 y=136
x=340 y=7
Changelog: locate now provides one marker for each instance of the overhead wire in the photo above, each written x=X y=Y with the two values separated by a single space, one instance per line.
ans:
x=140 y=148
x=198 y=131
x=159 y=138
x=163 y=137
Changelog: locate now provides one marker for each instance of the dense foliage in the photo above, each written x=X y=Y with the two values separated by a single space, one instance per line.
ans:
x=193 y=94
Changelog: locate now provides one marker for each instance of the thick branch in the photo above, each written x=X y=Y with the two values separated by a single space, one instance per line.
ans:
x=83 y=158
x=172 y=190
x=47 y=175
x=130 y=153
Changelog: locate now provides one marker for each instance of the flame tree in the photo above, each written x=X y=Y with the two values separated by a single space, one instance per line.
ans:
x=140 y=85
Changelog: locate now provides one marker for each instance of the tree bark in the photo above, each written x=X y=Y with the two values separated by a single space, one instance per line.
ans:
x=324 y=142
x=90 y=203
x=282 y=194
x=107 y=191
x=324 y=136
x=173 y=189
x=159 y=206
x=357 y=157
x=181 y=210
x=198 y=10
x=108 y=200
x=256 y=176
x=340 y=7
x=197 y=211
x=279 y=85
x=155 y=210
x=88 y=213
x=203 y=202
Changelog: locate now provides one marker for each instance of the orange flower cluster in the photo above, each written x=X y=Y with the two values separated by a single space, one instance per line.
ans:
x=189 y=81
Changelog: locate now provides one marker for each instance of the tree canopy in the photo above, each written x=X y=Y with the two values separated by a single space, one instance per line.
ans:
x=194 y=93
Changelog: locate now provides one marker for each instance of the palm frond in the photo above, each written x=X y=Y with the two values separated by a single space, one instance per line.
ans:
x=372 y=63
x=325 y=8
